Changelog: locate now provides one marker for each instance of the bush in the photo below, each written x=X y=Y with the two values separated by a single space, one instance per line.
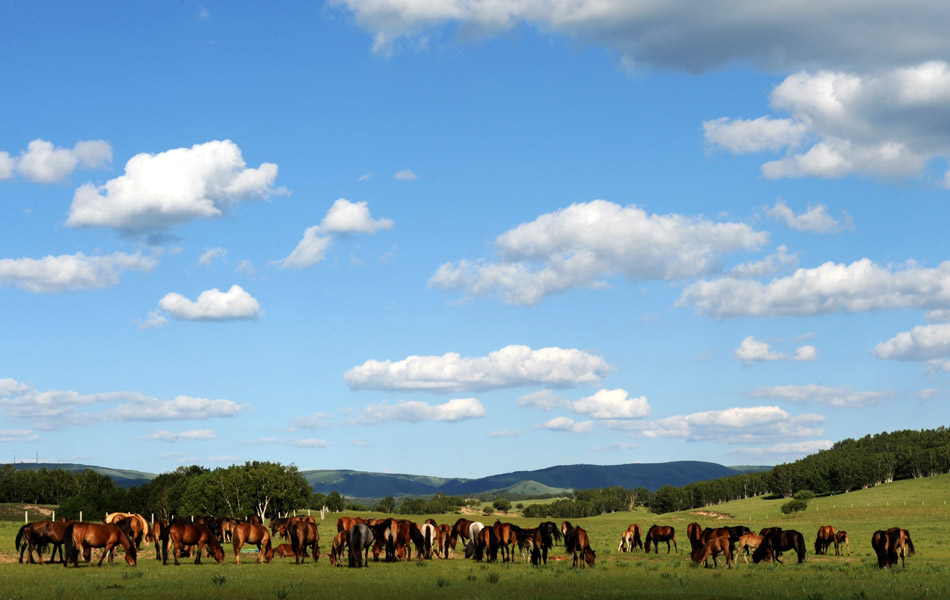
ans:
x=805 y=495
x=488 y=511
x=501 y=505
x=794 y=506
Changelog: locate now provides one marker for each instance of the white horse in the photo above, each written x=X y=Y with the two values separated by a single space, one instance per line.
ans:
x=430 y=537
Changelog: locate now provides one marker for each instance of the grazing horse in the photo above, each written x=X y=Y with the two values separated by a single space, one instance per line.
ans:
x=444 y=533
x=158 y=530
x=190 y=534
x=384 y=534
x=39 y=534
x=225 y=526
x=87 y=536
x=344 y=523
x=841 y=538
x=257 y=535
x=776 y=542
x=825 y=538
x=713 y=547
x=541 y=541
x=139 y=526
x=885 y=545
x=507 y=539
x=430 y=534
x=904 y=540
x=467 y=530
x=552 y=530
x=660 y=533
x=304 y=535
x=360 y=538
x=709 y=534
x=486 y=545
x=630 y=539
x=336 y=549
x=693 y=530
x=576 y=542
x=747 y=542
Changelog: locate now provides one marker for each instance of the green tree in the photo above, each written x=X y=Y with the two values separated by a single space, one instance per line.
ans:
x=501 y=505
x=387 y=505
x=794 y=506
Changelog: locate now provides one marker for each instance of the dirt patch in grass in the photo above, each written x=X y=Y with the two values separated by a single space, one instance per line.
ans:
x=711 y=514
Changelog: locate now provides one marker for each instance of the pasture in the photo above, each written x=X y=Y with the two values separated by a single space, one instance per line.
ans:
x=616 y=575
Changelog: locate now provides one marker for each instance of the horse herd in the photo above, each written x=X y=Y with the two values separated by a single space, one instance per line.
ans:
x=767 y=545
x=398 y=539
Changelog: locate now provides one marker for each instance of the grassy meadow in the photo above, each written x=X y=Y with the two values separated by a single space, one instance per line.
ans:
x=919 y=506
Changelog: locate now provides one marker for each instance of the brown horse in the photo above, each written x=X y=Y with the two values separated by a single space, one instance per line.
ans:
x=886 y=546
x=749 y=541
x=486 y=545
x=777 y=541
x=461 y=528
x=713 y=547
x=904 y=540
x=336 y=548
x=577 y=543
x=257 y=535
x=541 y=541
x=443 y=535
x=39 y=534
x=284 y=551
x=304 y=535
x=225 y=526
x=138 y=525
x=630 y=539
x=87 y=536
x=190 y=534
x=158 y=529
x=841 y=539
x=826 y=537
x=344 y=523
x=660 y=533
x=692 y=533
x=707 y=535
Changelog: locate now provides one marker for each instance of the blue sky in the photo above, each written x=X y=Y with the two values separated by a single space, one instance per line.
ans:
x=461 y=238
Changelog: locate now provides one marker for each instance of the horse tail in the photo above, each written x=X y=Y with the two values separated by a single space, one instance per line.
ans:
x=163 y=538
x=910 y=544
x=21 y=535
x=72 y=551
x=295 y=541
x=556 y=533
x=637 y=542
x=546 y=537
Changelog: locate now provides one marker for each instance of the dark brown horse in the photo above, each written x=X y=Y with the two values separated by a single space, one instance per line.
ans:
x=86 y=536
x=577 y=543
x=630 y=539
x=825 y=538
x=158 y=530
x=256 y=535
x=713 y=547
x=660 y=533
x=777 y=541
x=841 y=539
x=507 y=539
x=304 y=536
x=196 y=535
x=541 y=541
x=904 y=540
x=461 y=529
x=486 y=545
x=692 y=533
x=38 y=535
x=886 y=546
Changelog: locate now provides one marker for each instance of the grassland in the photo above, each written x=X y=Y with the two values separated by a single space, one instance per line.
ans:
x=634 y=575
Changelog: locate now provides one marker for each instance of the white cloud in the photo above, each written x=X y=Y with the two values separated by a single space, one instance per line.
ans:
x=921 y=343
x=212 y=305
x=815 y=220
x=782 y=260
x=682 y=34
x=154 y=319
x=42 y=162
x=17 y=435
x=211 y=255
x=343 y=218
x=364 y=177
x=182 y=436
x=309 y=443
x=504 y=433
x=245 y=267
x=542 y=400
x=6 y=166
x=160 y=190
x=841 y=397
x=566 y=424
x=878 y=123
x=181 y=408
x=511 y=366
x=831 y=287
x=405 y=175
x=457 y=409
x=938 y=366
x=317 y=420
x=53 y=409
x=612 y=404
x=939 y=315
x=741 y=136
x=67 y=272
x=583 y=245
x=753 y=350
x=787 y=449
x=736 y=425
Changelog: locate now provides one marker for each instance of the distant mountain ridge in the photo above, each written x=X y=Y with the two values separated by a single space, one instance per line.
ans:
x=547 y=481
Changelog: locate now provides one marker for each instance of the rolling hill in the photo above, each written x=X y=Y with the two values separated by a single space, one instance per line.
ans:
x=122 y=477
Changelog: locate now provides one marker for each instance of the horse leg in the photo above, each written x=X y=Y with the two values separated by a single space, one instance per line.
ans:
x=198 y=549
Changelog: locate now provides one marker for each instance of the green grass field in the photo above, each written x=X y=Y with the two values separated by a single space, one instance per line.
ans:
x=617 y=575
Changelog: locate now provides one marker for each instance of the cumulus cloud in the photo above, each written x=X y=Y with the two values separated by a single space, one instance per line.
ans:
x=831 y=287
x=781 y=260
x=878 y=123
x=154 y=319
x=815 y=219
x=343 y=218
x=161 y=190
x=938 y=315
x=921 y=343
x=736 y=425
x=841 y=397
x=566 y=424
x=182 y=436
x=511 y=366
x=457 y=409
x=612 y=404
x=42 y=162
x=53 y=409
x=212 y=305
x=786 y=449
x=752 y=350
x=683 y=35
x=583 y=245
x=68 y=272
x=542 y=400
